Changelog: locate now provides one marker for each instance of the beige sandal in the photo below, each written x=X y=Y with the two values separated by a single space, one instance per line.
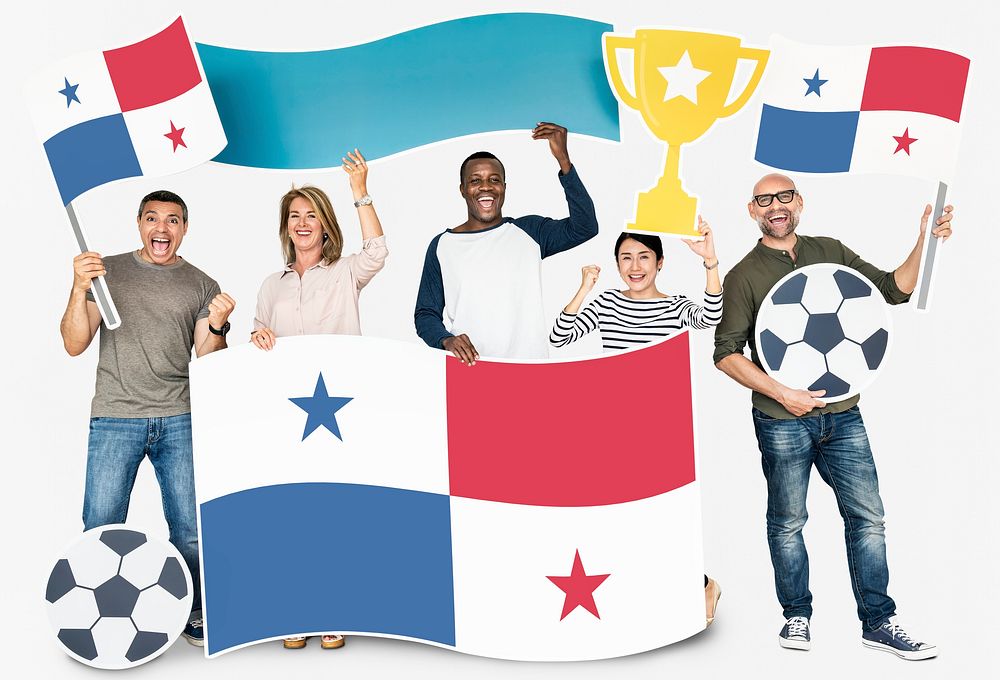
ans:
x=297 y=642
x=331 y=641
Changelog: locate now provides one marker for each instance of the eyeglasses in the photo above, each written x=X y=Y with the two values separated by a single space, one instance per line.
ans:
x=786 y=196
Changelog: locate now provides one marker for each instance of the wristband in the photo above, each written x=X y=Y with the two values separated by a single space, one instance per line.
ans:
x=364 y=200
x=712 y=267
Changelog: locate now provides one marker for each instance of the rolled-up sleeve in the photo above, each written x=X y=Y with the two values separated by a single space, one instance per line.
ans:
x=883 y=280
x=734 y=329
x=369 y=262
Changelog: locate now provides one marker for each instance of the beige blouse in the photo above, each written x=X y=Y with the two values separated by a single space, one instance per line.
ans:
x=324 y=300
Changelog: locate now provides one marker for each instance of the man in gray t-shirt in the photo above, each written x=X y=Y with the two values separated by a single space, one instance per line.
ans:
x=141 y=404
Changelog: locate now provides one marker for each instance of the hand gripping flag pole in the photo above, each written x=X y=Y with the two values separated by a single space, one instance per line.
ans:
x=140 y=110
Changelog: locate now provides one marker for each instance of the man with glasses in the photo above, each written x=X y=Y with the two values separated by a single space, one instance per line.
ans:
x=797 y=429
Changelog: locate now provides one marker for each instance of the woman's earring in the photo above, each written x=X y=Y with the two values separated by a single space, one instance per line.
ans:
x=325 y=236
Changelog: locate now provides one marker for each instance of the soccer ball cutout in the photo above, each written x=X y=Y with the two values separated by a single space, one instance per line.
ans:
x=119 y=597
x=824 y=327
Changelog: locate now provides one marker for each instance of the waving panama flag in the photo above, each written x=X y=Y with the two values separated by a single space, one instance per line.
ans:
x=892 y=110
x=143 y=109
x=359 y=485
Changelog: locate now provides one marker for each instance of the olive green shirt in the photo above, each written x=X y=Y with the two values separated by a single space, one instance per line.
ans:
x=749 y=282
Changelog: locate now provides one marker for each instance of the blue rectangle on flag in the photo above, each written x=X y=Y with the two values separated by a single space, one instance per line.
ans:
x=90 y=154
x=321 y=557
x=806 y=141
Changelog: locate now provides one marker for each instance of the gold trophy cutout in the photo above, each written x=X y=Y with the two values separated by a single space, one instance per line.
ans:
x=682 y=81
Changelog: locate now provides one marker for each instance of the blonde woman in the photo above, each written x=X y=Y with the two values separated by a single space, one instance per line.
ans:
x=317 y=291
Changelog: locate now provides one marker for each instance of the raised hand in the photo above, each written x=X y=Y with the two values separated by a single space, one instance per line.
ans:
x=942 y=230
x=590 y=275
x=219 y=309
x=556 y=136
x=87 y=267
x=706 y=246
x=357 y=169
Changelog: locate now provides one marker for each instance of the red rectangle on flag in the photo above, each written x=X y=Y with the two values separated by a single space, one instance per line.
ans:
x=153 y=70
x=917 y=79
x=553 y=435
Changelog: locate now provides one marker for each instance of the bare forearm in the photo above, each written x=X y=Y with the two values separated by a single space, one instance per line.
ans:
x=210 y=344
x=370 y=225
x=712 y=282
x=906 y=273
x=75 y=326
x=746 y=373
x=574 y=305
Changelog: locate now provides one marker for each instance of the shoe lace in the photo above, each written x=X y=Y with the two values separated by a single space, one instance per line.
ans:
x=196 y=623
x=896 y=631
x=798 y=625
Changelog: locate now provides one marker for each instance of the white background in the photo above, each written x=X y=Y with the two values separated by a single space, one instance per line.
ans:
x=928 y=414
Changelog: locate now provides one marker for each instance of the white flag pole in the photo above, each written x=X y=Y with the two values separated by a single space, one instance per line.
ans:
x=931 y=245
x=98 y=286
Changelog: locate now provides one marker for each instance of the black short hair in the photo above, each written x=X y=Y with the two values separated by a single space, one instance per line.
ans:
x=652 y=242
x=479 y=155
x=164 y=196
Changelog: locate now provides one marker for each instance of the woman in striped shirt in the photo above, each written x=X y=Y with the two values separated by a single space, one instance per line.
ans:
x=641 y=313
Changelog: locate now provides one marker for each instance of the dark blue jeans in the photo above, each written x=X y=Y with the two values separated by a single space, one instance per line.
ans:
x=837 y=444
x=114 y=452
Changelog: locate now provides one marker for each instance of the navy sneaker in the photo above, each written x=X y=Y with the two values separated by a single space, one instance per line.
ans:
x=195 y=632
x=890 y=637
x=795 y=634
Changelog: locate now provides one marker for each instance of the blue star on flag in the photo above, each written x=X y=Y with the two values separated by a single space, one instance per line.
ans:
x=322 y=409
x=814 y=84
x=70 y=93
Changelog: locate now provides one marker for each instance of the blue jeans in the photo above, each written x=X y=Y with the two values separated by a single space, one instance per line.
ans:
x=115 y=449
x=837 y=444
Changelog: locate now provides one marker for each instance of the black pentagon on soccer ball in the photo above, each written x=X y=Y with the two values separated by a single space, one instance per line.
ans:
x=122 y=541
x=145 y=644
x=823 y=332
x=80 y=642
x=172 y=578
x=116 y=597
x=61 y=581
x=874 y=348
x=773 y=348
x=850 y=285
x=833 y=385
x=790 y=292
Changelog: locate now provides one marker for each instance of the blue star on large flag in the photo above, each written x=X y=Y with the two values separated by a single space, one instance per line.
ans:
x=322 y=409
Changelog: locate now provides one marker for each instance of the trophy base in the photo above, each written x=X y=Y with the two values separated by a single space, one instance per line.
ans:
x=667 y=213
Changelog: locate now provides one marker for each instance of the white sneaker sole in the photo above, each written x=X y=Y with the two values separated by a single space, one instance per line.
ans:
x=804 y=645
x=194 y=641
x=928 y=653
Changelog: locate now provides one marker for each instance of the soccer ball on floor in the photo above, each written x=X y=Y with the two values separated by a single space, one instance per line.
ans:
x=824 y=327
x=118 y=597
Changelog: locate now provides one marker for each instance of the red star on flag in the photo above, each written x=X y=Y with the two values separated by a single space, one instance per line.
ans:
x=579 y=588
x=176 y=136
x=903 y=142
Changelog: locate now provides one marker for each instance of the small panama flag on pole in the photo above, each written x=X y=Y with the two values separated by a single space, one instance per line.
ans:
x=140 y=110
x=893 y=110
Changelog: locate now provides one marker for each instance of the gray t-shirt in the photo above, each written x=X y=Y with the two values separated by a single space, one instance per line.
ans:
x=142 y=371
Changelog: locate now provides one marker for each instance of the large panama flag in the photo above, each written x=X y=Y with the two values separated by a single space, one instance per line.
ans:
x=518 y=511
x=142 y=109
x=893 y=110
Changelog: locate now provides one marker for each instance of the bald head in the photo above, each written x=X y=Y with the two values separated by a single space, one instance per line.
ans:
x=772 y=184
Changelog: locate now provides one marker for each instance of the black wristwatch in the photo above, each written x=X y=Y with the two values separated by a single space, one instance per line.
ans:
x=220 y=331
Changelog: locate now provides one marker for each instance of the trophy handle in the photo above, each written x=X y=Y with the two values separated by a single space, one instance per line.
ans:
x=611 y=45
x=760 y=56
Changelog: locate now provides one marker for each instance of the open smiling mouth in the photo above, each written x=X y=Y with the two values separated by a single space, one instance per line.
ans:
x=779 y=219
x=486 y=202
x=161 y=246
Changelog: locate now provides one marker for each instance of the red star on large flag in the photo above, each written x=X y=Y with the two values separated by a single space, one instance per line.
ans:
x=903 y=142
x=176 y=136
x=579 y=588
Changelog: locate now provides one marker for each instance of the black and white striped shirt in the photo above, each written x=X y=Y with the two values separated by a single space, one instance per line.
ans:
x=626 y=323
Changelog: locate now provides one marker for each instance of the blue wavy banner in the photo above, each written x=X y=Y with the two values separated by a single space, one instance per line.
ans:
x=301 y=110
